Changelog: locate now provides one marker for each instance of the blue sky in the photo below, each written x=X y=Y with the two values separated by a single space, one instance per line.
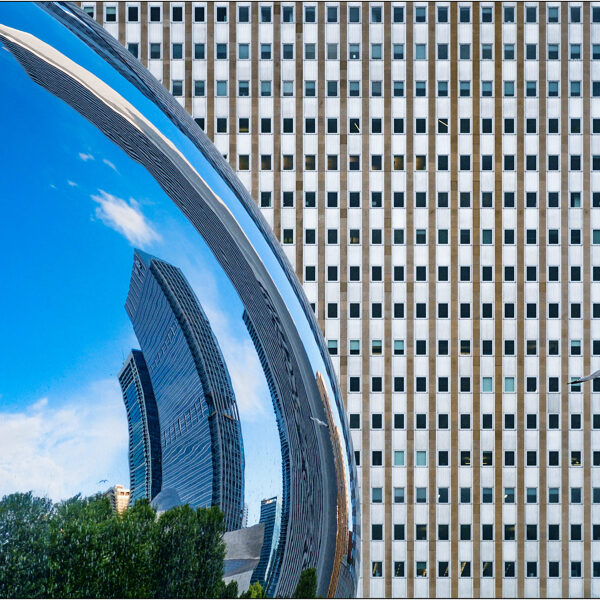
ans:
x=73 y=208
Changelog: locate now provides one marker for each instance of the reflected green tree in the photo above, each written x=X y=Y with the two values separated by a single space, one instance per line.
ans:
x=24 y=545
x=191 y=553
x=82 y=548
x=254 y=591
x=307 y=584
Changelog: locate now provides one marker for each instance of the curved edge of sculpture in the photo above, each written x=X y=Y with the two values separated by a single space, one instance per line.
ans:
x=315 y=458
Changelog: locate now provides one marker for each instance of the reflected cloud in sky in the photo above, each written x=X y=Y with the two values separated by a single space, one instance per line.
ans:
x=125 y=217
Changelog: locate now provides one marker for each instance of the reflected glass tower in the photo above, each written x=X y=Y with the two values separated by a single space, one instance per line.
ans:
x=270 y=516
x=201 y=439
x=144 y=431
x=274 y=553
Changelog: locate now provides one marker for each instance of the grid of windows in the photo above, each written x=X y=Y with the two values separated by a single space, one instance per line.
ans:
x=433 y=173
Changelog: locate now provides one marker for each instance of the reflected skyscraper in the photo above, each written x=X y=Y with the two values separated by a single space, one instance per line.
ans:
x=270 y=516
x=119 y=498
x=144 y=431
x=275 y=553
x=201 y=439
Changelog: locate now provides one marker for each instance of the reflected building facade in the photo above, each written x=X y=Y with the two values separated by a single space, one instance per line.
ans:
x=119 y=498
x=200 y=433
x=276 y=557
x=343 y=543
x=145 y=470
x=270 y=517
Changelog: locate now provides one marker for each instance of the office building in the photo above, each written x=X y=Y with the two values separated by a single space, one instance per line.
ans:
x=145 y=455
x=430 y=169
x=201 y=438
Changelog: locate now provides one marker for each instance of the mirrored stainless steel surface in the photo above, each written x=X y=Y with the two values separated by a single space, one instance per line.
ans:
x=111 y=194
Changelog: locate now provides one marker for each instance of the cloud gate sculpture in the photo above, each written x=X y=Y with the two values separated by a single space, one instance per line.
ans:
x=113 y=197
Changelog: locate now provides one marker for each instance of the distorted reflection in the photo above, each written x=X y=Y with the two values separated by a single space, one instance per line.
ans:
x=132 y=253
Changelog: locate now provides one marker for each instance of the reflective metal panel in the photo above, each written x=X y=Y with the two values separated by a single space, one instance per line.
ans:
x=126 y=234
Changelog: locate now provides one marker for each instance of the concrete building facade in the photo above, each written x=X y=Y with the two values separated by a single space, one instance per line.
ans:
x=431 y=170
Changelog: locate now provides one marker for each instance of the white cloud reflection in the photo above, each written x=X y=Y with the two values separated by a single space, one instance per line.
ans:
x=63 y=448
x=110 y=164
x=126 y=218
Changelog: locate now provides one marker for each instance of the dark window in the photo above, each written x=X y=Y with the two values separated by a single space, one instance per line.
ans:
x=155 y=13
x=132 y=14
x=177 y=14
x=221 y=14
x=110 y=14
